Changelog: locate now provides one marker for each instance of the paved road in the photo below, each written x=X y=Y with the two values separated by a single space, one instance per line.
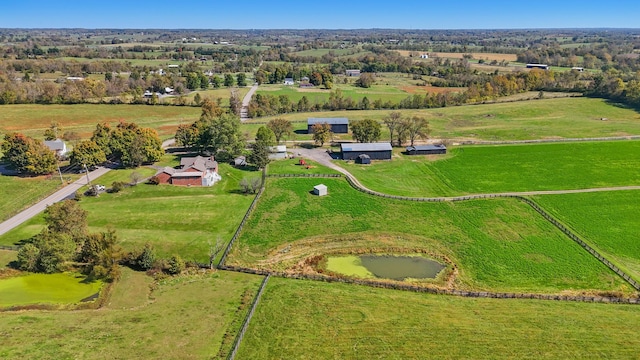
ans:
x=64 y=193
x=244 y=112
x=321 y=156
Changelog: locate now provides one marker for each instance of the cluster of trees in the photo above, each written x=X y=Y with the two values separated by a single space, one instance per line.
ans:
x=270 y=73
x=215 y=132
x=28 y=155
x=402 y=128
x=66 y=244
x=127 y=143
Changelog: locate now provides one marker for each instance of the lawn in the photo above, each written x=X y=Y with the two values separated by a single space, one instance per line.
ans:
x=304 y=319
x=59 y=289
x=497 y=169
x=189 y=317
x=32 y=120
x=499 y=244
x=18 y=193
x=175 y=220
x=520 y=120
x=6 y=257
x=292 y=166
x=608 y=221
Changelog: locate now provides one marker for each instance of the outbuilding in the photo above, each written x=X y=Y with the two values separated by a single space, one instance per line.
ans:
x=363 y=159
x=427 y=149
x=277 y=152
x=320 y=190
x=338 y=125
x=375 y=151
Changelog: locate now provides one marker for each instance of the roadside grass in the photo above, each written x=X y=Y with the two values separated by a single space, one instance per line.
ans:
x=186 y=317
x=499 y=244
x=18 y=193
x=32 y=120
x=520 y=120
x=59 y=289
x=174 y=219
x=506 y=168
x=608 y=221
x=305 y=319
x=6 y=257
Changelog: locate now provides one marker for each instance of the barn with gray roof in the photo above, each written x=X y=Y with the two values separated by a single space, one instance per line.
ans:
x=375 y=151
x=338 y=125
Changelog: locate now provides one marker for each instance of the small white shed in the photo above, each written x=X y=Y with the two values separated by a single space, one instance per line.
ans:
x=320 y=190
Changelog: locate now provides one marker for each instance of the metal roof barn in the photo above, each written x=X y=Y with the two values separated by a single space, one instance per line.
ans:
x=376 y=151
x=338 y=125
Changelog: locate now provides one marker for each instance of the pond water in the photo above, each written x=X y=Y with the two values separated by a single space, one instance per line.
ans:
x=393 y=267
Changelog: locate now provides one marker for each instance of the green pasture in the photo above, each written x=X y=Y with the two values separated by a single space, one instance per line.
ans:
x=18 y=193
x=32 y=119
x=305 y=319
x=63 y=288
x=189 y=317
x=608 y=221
x=174 y=219
x=292 y=166
x=519 y=120
x=506 y=168
x=499 y=244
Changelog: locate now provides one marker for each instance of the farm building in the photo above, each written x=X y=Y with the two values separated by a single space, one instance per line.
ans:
x=375 y=151
x=239 y=161
x=194 y=171
x=363 y=159
x=320 y=190
x=338 y=125
x=58 y=146
x=288 y=81
x=278 y=152
x=426 y=149
x=538 y=66
x=424 y=56
x=352 y=72
x=578 y=68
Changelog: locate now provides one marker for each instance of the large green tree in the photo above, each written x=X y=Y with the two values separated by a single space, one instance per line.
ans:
x=28 y=155
x=87 y=153
x=221 y=133
x=229 y=80
x=321 y=133
x=416 y=127
x=365 y=131
x=280 y=127
x=129 y=143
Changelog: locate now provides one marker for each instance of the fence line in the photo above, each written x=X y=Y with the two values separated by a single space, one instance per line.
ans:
x=431 y=290
x=244 y=220
x=306 y=175
x=247 y=319
x=541 y=141
x=7 y=247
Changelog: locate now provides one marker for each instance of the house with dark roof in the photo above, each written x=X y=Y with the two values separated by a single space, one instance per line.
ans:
x=193 y=171
x=338 y=125
x=427 y=149
x=375 y=151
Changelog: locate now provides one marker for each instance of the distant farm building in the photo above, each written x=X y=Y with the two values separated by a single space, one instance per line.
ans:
x=577 y=68
x=173 y=66
x=306 y=85
x=194 y=171
x=57 y=146
x=338 y=125
x=538 y=66
x=375 y=151
x=320 y=190
x=239 y=161
x=352 y=72
x=304 y=79
x=278 y=152
x=426 y=149
x=424 y=56
x=288 y=81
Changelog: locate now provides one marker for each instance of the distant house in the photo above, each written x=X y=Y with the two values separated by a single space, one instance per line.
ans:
x=194 y=171
x=352 y=72
x=239 y=161
x=424 y=56
x=338 y=125
x=306 y=85
x=147 y=94
x=375 y=151
x=168 y=90
x=58 y=146
x=538 y=66
x=577 y=68
x=75 y=78
x=427 y=149
x=278 y=152
x=173 y=66
x=304 y=79
x=288 y=81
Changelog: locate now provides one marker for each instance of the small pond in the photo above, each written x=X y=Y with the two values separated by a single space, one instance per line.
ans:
x=385 y=266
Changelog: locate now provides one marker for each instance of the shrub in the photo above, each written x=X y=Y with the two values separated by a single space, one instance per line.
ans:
x=176 y=265
x=154 y=180
x=147 y=257
x=117 y=186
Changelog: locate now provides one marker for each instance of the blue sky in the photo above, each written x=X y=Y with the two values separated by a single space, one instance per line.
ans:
x=326 y=14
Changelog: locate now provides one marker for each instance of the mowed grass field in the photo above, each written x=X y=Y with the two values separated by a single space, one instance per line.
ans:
x=304 y=319
x=499 y=244
x=32 y=120
x=175 y=220
x=181 y=318
x=506 y=168
x=18 y=193
x=520 y=120
x=608 y=221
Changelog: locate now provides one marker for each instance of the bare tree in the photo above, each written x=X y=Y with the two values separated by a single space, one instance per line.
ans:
x=416 y=127
x=393 y=122
x=214 y=250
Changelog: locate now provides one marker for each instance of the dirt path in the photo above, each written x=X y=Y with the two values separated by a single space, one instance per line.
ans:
x=322 y=156
x=244 y=112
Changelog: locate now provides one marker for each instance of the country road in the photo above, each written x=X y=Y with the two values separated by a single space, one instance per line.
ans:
x=244 y=112
x=64 y=193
